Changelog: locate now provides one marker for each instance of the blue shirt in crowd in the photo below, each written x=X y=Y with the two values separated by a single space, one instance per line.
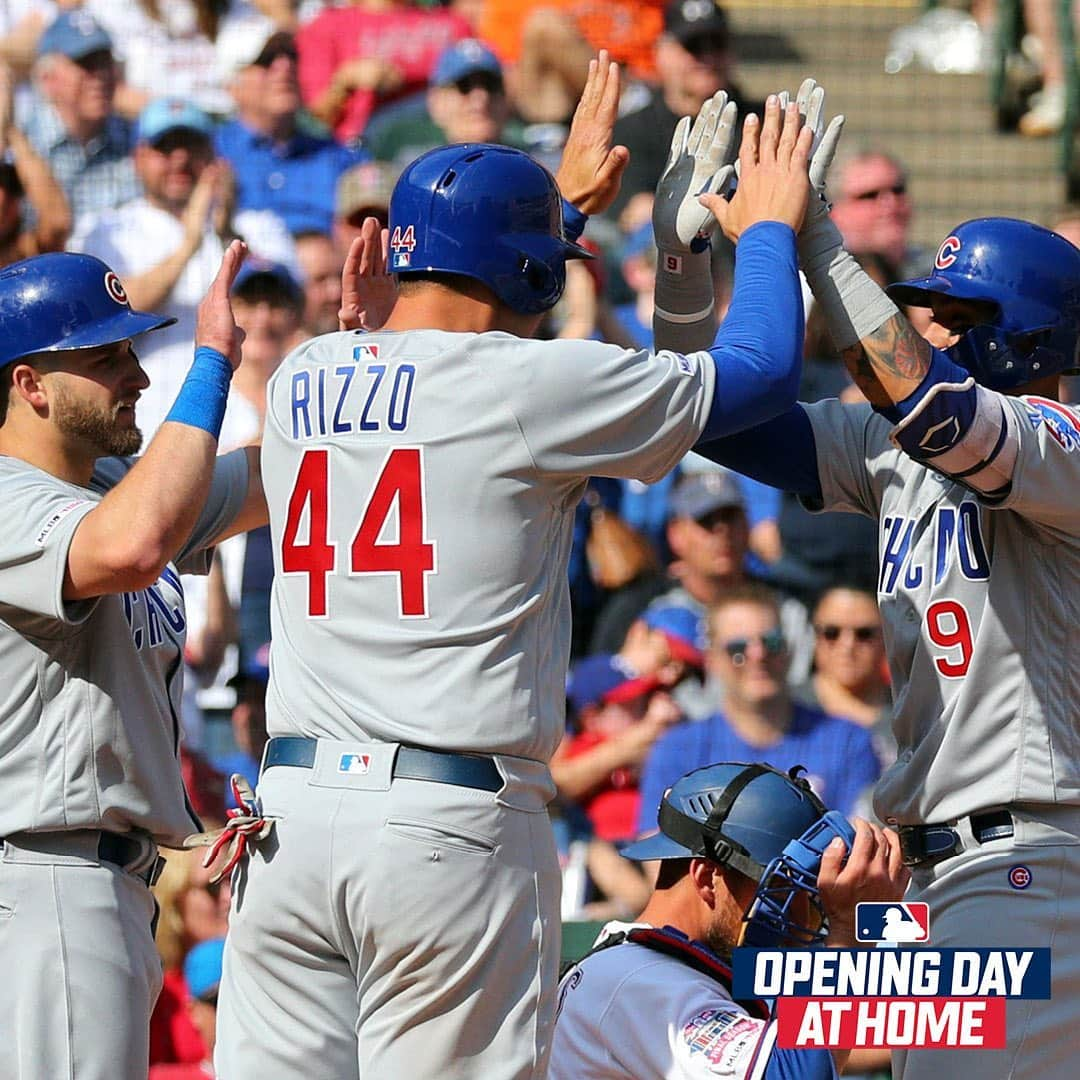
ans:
x=297 y=179
x=838 y=755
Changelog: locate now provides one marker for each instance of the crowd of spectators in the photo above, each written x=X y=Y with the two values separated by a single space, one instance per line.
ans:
x=714 y=618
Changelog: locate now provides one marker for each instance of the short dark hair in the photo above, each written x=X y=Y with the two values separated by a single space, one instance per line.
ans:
x=269 y=289
x=671 y=872
x=5 y=392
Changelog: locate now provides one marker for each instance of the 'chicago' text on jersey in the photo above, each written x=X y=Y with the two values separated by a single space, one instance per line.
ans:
x=367 y=395
x=156 y=615
x=958 y=545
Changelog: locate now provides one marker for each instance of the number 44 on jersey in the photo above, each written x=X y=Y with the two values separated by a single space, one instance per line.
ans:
x=307 y=548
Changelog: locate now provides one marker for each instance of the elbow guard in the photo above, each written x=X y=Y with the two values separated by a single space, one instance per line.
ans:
x=964 y=431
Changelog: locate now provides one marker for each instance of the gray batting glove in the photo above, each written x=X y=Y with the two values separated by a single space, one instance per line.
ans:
x=699 y=162
x=811 y=101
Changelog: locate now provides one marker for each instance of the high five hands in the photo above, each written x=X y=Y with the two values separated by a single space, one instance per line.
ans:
x=774 y=183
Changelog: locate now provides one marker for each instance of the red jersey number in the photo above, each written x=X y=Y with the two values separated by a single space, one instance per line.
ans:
x=949 y=628
x=400 y=486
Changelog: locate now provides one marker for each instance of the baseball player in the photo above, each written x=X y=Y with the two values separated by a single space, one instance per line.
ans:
x=91 y=638
x=971 y=466
x=403 y=917
x=653 y=999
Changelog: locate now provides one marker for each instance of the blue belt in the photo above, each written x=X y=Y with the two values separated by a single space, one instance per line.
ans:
x=410 y=763
x=122 y=851
x=925 y=845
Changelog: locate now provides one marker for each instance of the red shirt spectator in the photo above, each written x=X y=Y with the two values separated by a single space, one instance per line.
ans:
x=174 y=1038
x=353 y=59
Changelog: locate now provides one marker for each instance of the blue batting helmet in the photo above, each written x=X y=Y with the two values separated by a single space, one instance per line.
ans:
x=487 y=212
x=61 y=301
x=766 y=824
x=1031 y=275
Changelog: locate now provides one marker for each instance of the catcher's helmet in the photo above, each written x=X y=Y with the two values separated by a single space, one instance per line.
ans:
x=1031 y=275
x=65 y=301
x=487 y=212
x=766 y=824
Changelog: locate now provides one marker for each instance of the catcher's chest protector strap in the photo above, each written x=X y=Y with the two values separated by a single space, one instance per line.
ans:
x=687 y=952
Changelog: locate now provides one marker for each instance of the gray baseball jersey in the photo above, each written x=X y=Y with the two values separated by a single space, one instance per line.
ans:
x=90 y=691
x=422 y=489
x=980 y=605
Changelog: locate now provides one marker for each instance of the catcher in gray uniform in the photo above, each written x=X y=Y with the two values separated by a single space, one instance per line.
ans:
x=91 y=638
x=971 y=466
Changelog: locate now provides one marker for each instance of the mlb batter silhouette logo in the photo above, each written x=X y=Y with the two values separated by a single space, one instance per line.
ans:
x=892 y=922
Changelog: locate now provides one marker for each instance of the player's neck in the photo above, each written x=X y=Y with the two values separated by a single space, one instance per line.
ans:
x=48 y=451
x=1048 y=387
x=437 y=308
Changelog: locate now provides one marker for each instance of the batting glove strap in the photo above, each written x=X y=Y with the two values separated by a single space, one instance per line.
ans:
x=684 y=319
x=229 y=845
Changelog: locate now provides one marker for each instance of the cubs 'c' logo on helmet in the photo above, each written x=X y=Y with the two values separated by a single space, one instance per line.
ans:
x=115 y=289
x=946 y=255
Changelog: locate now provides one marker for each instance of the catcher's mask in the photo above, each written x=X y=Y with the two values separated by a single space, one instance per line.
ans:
x=767 y=825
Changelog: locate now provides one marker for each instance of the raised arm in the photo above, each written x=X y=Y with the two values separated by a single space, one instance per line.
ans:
x=125 y=542
x=758 y=352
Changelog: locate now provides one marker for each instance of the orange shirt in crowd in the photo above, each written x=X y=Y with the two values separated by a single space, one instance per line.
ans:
x=628 y=29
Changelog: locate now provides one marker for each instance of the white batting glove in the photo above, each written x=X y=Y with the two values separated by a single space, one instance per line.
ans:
x=811 y=101
x=699 y=162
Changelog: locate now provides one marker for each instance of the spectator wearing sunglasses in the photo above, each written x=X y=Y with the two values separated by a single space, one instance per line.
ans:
x=872 y=209
x=74 y=124
x=465 y=102
x=758 y=718
x=851 y=675
x=278 y=166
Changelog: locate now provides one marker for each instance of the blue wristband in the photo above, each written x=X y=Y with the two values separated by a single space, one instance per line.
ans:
x=574 y=221
x=202 y=398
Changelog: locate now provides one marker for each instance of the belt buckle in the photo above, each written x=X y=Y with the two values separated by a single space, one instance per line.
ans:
x=926 y=845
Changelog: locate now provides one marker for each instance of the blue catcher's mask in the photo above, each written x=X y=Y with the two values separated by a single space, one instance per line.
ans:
x=1032 y=277
x=771 y=921
x=767 y=825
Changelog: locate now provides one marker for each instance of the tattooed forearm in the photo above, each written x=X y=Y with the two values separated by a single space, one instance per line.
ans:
x=888 y=364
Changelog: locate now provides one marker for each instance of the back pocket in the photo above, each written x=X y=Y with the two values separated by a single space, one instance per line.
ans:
x=438 y=834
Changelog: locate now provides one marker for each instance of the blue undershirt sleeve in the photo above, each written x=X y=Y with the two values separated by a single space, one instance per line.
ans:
x=758 y=351
x=780 y=452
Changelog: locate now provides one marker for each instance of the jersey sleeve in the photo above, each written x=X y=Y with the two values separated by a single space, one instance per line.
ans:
x=847 y=439
x=585 y=408
x=228 y=489
x=1046 y=473
x=41 y=519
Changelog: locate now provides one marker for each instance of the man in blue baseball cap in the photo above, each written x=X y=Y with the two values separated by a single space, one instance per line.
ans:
x=75 y=127
x=653 y=999
x=466 y=102
x=91 y=642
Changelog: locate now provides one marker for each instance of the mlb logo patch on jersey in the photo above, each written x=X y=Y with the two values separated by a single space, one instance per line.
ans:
x=687 y=365
x=357 y=764
x=365 y=352
x=1062 y=424
x=892 y=922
